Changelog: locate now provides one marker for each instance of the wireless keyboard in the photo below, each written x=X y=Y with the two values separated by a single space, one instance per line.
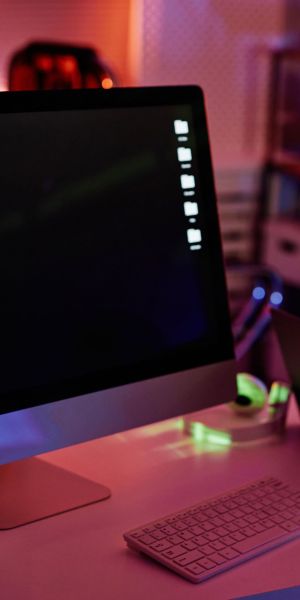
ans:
x=218 y=534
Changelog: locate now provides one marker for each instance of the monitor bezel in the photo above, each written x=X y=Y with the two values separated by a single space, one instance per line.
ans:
x=20 y=102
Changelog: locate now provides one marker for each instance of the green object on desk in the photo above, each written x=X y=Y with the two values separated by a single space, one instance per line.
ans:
x=202 y=433
x=279 y=393
x=252 y=394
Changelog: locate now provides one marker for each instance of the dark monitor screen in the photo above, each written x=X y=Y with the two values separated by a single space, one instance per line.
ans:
x=110 y=257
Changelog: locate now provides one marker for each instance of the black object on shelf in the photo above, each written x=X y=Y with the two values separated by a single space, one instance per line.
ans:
x=51 y=65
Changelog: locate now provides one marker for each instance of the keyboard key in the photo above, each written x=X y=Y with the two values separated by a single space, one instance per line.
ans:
x=240 y=523
x=200 y=517
x=228 y=540
x=218 y=545
x=217 y=521
x=217 y=558
x=190 y=521
x=272 y=498
x=248 y=531
x=161 y=524
x=207 y=549
x=267 y=523
x=220 y=509
x=289 y=525
x=238 y=536
x=247 y=509
x=228 y=517
x=171 y=520
x=230 y=504
x=186 y=559
x=183 y=515
x=168 y=530
x=138 y=533
x=257 y=505
x=258 y=540
x=200 y=540
x=174 y=552
x=251 y=519
x=207 y=526
x=289 y=503
x=229 y=553
x=286 y=493
x=179 y=526
x=210 y=536
x=220 y=531
x=250 y=497
x=211 y=513
x=258 y=527
x=160 y=546
x=147 y=539
x=207 y=563
x=268 y=501
x=197 y=530
x=186 y=535
x=260 y=493
x=189 y=545
x=231 y=527
x=287 y=514
x=196 y=569
x=194 y=511
x=238 y=513
x=150 y=530
x=158 y=535
x=241 y=501
x=278 y=519
x=174 y=539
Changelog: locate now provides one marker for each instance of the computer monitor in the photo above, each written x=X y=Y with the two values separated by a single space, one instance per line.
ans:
x=113 y=300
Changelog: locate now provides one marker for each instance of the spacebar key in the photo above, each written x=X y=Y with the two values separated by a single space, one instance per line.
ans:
x=255 y=541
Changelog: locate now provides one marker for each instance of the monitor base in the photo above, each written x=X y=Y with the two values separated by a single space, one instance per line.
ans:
x=33 y=489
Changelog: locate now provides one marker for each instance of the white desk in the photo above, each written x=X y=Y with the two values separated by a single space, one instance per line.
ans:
x=151 y=471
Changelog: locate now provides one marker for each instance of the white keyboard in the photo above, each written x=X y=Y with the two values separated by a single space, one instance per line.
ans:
x=215 y=535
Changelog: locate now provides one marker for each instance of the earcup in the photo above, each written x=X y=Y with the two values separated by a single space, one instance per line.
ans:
x=252 y=394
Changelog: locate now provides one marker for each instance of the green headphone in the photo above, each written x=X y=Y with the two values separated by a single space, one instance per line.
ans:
x=255 y=414
x=253 y=395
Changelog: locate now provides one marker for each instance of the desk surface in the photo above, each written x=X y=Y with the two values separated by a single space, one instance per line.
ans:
x=151 y=471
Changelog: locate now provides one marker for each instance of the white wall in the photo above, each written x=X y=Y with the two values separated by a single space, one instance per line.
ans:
x=212 y=43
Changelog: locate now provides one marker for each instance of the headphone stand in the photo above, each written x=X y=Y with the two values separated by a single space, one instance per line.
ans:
x=222 y=425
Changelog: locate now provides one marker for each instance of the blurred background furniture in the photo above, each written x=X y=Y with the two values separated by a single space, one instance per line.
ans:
x=49 y=65
x=278 y=242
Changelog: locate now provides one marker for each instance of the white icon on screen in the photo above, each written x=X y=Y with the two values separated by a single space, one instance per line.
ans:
x=187 y=181
x=184 y=154
x=194 y=236
x=190 y=208
x=181 y=126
